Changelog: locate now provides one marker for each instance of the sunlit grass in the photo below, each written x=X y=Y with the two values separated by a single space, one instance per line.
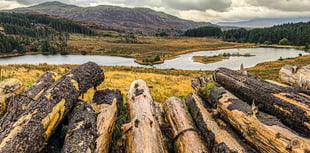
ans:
x=163 y=83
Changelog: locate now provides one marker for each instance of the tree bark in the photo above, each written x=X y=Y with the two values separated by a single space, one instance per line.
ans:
x=82 y=130
x=288 y=104
x=8 y=87
x=19 y=103
x=219 y=137
x=263 y=131
x=296 y=76
x=34 y=127
x=186 y=138
x=143 y=132
x=106 y=104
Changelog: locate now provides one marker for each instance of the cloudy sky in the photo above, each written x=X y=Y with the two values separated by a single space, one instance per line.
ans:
x=198 y=10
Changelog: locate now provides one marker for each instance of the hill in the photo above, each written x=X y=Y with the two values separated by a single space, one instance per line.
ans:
x=129 y=19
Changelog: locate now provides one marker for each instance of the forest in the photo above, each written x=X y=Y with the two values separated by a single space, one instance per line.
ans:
x=37 y=32
x=286 y=34
x=208 y=31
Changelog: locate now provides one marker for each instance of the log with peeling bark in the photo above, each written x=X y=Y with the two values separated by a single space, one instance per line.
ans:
x=219 y=137
x=8 y=87
x=82 y=130
x=19 y=103
x=143 y=132
x=186 y=138
x=290 y=105
x=296 y=76
x=106 y=104
x=35 y=126
x=263 y=131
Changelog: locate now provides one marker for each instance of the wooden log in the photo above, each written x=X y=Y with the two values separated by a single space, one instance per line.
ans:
x=143 y=132
x=288 y=104
x=263 y=131
x=106 y=104
x=82 y=130
x=9 y=87
x=34 y=127
x=158 y=113
x=19 y=103
x=219 y=137
x=186 y=138
x=296 y=76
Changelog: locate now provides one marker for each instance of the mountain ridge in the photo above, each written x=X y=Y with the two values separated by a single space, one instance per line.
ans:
x=124 y=18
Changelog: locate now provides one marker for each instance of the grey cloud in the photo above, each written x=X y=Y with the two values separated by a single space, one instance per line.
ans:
x=284 y=5
x=9 y=4
x=202 y=5
x=29 y=2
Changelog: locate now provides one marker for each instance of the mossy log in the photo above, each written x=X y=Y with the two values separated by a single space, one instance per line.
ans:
x=9 y=87
x=263 y=131
x=200 y=85
x=34 y=127
x=106 y=104
x=186 y=138
x=82 y=130
x=17 y=104
x=296 y=76
x=143 y=132
x=219 y=137
x=290 y=105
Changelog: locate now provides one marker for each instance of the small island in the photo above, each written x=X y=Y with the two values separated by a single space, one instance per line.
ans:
x=217 y=58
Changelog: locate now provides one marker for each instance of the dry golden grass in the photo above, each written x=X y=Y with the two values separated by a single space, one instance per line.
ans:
x=163 y=83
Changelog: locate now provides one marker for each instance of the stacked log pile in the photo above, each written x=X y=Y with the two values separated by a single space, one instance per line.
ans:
x=268 y=117
x=229 y=112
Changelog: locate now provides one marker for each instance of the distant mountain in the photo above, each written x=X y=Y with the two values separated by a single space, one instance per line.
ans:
x=264 y=22
x=129 y=19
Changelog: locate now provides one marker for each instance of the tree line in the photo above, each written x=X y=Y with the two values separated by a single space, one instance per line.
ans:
x=207 y=31
x=33 y=21
x=286 y=34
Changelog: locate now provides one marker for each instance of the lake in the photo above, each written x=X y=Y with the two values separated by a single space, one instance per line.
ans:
x=181 y=62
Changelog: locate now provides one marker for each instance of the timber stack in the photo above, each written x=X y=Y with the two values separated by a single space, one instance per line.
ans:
x=229 y=112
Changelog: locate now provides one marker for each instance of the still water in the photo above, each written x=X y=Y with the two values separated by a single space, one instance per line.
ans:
x=181 y=62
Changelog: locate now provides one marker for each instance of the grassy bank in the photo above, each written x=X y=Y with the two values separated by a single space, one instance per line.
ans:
x=145 y=48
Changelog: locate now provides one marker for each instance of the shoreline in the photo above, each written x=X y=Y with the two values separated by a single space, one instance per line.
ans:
x=172 y=55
